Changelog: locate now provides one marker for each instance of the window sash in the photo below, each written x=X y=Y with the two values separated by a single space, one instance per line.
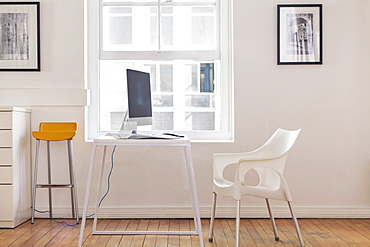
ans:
x=159 y=53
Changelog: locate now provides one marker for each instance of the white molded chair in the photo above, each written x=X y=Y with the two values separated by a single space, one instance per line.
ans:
x=268 y=162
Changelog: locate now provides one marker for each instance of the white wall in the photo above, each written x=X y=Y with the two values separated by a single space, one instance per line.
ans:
x=328 y=169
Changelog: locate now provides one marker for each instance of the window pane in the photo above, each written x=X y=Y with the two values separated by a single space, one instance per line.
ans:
x=129 y=28
x=192 y=28
x=192 y=78
x=200 y=120
x=162 y=121
x=116 y=120
x=167 y=30
x=203 y=30
x=154 y=30
x=166 y=78
x=120 y=30
x=207 y=77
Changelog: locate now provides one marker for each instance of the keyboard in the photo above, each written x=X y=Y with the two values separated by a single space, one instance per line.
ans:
x=119 y=135
x=140 y=136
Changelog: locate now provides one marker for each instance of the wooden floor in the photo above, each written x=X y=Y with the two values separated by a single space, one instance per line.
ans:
x=254 y=232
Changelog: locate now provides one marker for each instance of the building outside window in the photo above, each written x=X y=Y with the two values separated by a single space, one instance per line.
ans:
x=186 y=46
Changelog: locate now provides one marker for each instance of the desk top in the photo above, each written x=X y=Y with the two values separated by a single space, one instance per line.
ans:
x=109 y=140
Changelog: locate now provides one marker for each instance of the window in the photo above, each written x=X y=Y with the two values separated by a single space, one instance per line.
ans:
x=186 y=47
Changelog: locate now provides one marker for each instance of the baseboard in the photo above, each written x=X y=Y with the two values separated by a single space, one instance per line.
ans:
x=222 y=212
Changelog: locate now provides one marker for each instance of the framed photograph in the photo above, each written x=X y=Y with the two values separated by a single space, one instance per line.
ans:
x=299 y=34
x=19 y=36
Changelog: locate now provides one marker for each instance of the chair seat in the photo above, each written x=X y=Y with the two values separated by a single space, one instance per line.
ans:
x=53 y=135
x=223 y=183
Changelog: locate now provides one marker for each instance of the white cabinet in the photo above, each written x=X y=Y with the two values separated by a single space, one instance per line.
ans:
x=15 y=166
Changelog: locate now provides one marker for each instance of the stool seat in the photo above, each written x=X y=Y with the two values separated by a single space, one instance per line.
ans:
x=53 y=135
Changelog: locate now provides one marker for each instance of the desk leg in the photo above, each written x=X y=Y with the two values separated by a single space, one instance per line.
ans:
x=87 y=194
x=193 y=193
x=98 y=190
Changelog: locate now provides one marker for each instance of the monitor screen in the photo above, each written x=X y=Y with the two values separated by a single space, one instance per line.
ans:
x=139 y=97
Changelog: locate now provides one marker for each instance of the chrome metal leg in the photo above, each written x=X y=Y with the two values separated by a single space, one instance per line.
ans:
x=213 y=213
x=35 y=181
x=49 y=185
x=296 y=223
x=72 y=179
x=237 y=230
x=49 y=180
x=272 y=219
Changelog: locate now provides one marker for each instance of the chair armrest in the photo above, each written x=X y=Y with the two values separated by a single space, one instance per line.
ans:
x=271 y=164
x=245 y=162
x=223 y=160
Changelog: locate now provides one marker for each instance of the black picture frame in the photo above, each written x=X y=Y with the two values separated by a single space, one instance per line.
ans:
x=299 y=34
x=20 y=36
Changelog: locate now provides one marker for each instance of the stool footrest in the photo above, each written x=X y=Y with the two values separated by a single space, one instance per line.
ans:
x=54 y=186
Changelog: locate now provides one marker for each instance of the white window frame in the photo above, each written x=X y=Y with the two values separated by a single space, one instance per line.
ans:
x=92 y=8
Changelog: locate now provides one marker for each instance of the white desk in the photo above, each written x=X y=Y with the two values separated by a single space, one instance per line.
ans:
x=110 y=141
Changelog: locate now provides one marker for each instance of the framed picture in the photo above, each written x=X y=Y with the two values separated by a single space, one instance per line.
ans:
x=19 y=36
x=299 y=34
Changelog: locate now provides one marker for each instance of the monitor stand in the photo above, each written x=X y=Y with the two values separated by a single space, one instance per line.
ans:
x=128 y=126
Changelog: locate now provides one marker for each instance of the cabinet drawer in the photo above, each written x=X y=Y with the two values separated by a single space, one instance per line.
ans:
x=6 y=156
x=5 y=138
x=6 y=175
x=6 y=206
x=5 y=120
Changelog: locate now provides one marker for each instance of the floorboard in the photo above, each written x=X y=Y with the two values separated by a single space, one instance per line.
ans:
x=253 y=233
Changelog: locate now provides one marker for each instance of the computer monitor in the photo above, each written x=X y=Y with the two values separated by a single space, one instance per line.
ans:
x=139 y=97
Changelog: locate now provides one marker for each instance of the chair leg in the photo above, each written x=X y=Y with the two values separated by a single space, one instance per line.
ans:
x=213 y=213
x=72 y=179
x=272 y=219
x=237 y=229
x=296 y=223
x=49 y=181
x=35 y=182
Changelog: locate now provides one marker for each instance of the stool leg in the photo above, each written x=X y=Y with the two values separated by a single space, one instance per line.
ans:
x=49 y=181
x=72 y=179
x=35 y=182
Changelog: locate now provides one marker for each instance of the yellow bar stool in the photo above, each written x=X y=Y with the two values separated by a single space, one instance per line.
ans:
x=55 y=131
